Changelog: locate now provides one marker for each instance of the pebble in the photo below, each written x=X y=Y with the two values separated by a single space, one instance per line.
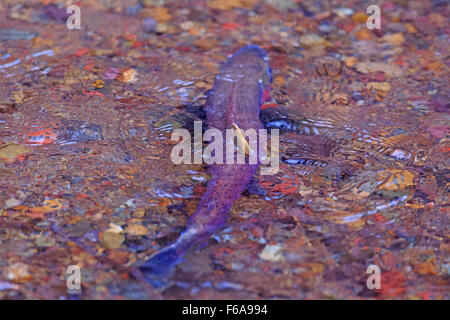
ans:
x=149 y=25
x=11 y=203
x=325 y=27
x=311 y=39
x=343 y=12
x=272 y=253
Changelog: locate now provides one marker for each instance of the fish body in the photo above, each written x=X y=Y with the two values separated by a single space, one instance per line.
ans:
x=238 y=92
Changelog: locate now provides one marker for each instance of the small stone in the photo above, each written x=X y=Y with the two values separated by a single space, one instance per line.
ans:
x=389 y=70
x=139 y=213
x=149 y=25
x=11 y=203
x=160 y=14
x=311 y=39
x=272 y=253
x=441 y=104
x=379 y=86
x=204 y=44
x=129 y=75
x=112 y=240
x=17 y=272
x=282 y=5
x=380 y=77
x=187 y=25
x=394 y=39
x=322 y=15
x=343 y=12
x=161 y=28
x=136 y=230
x=148 y=3
x=325 y=27
x=131 y=203
x=114 y=228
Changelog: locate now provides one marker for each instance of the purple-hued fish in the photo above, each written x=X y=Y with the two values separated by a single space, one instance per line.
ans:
x=236 y=97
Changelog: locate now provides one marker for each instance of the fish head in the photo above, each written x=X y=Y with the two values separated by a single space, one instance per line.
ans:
x=252 y=63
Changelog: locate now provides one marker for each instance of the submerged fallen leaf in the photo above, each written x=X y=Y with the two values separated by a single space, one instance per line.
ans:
x=49 y=206
x=360 y=17
x=230 y=4
x=279 y=80
x=11 y=203
x=396 y=179
x=13 y=152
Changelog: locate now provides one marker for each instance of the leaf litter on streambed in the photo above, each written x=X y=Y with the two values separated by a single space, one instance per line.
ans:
x=85 y=124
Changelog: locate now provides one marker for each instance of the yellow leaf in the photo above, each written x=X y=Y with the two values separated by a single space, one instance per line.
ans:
x=360 y=17
x=394 y=39
x=363 y=34
x=49 y=206
x=279 y=80
x=12 y=152
x=396 y=179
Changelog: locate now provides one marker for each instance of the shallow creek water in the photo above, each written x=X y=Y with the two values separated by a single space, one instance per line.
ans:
x=86 y=179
